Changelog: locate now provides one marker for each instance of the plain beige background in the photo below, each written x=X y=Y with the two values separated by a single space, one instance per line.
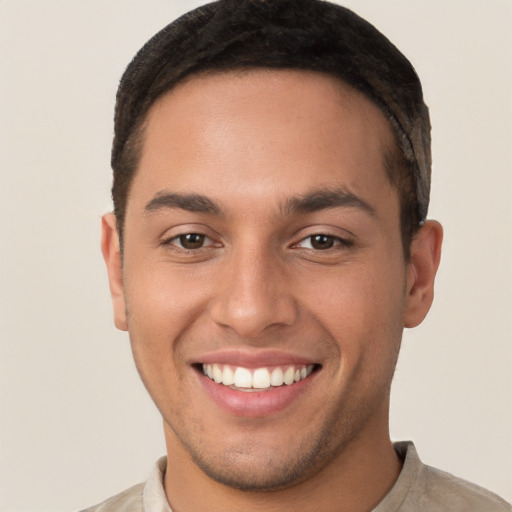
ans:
x=75 y=423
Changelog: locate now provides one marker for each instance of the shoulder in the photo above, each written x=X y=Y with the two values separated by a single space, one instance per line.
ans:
x=422 y=488
x=444 y=491
x=145 y=496
x=129 y=500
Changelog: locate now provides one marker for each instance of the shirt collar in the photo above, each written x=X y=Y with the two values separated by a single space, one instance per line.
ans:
x=153 y=497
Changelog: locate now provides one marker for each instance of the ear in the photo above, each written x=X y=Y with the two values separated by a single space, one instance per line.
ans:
x=112 y=255
x=421 y=272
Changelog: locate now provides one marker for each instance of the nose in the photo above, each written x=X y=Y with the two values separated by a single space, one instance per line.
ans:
x=253 y=294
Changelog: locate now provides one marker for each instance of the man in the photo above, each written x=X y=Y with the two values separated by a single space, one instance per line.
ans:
x=268 y=245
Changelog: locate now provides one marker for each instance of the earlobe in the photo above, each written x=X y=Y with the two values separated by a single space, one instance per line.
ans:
x=112 y=255
x=421 y=273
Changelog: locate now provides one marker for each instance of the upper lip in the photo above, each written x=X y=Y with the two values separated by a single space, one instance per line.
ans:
x=254 y=359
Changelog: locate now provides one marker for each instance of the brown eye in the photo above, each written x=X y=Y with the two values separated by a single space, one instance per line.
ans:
x=191 y=241
x=322 y=242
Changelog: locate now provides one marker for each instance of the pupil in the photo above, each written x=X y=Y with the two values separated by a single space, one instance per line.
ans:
x=322 y=241
x=192 y=241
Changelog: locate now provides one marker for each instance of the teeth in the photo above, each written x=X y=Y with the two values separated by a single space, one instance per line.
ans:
x=288 y=375
x=258 y=378
x=277 y=377
x=217 y=373
x=228 y=377
x=261 y=378
x=242 y=378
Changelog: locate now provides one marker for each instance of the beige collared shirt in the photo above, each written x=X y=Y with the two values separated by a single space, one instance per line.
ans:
x=419 y=488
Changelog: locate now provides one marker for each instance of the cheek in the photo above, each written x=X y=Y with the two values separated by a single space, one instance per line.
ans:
x=361 y=306
x=162 y=297
x=162 y=305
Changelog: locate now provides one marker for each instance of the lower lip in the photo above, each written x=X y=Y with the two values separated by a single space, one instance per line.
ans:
x=255 y=403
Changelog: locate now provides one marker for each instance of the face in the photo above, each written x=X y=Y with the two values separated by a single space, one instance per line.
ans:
x=263 y=283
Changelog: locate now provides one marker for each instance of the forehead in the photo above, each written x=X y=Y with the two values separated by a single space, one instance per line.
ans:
x=256 y=92
x=257 y=131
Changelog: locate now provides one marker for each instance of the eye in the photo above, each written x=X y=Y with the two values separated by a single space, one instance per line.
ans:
x=190 y=241
x=323 y=242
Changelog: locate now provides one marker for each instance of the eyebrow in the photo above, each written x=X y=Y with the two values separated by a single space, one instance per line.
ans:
x=315 y=200
x=189 y=202
x=322 y=199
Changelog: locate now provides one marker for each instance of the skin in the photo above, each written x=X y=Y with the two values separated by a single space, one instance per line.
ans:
x=254 y=144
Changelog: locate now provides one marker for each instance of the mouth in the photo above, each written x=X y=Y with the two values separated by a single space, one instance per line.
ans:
x=260 y=384
x=260 y=379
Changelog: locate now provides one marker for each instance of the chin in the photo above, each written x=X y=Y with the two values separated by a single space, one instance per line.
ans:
x=263 y=467
x=258 y=476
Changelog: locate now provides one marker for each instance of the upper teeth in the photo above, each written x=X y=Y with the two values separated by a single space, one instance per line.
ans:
x=257 y=378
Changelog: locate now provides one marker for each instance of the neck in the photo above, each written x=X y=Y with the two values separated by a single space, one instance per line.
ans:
x=357 y=479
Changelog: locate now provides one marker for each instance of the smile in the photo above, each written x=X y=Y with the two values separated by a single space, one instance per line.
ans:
x=245 y=379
